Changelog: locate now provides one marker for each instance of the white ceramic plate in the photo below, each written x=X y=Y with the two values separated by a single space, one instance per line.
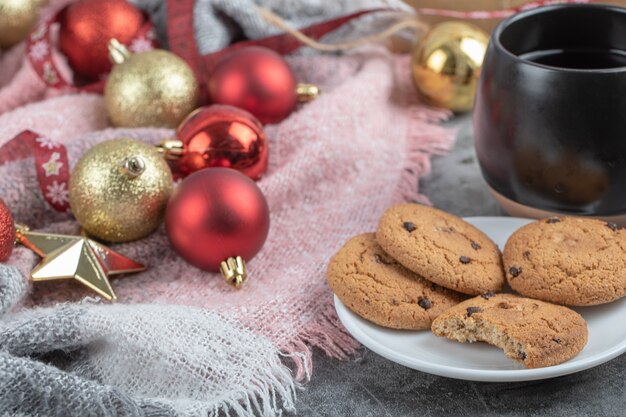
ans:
x=426 y=352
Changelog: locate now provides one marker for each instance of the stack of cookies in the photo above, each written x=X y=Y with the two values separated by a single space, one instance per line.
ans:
x=420 y=268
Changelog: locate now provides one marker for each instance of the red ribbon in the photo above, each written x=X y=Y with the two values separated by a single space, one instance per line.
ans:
x=181 y=36
x=39 y=46
x=51 y=164
x=182 y=39
x=285 y=43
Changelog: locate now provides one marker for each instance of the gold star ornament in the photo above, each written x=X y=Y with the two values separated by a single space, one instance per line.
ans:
x=75 y=257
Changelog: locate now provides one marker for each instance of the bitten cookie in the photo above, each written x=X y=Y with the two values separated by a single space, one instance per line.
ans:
x=568 y=260
x=532 y=332
x=374 y=286
x=442 y=248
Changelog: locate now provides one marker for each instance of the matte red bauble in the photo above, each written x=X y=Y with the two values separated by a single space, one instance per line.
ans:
x=217 y=219
x=257 y=80
x=222 y=136
x=7 y=232
x=87 y=26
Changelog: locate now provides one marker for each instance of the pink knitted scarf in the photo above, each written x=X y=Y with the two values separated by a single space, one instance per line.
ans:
x=335 y=165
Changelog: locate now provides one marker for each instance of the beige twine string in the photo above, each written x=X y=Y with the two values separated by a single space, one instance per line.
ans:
x=405 y=21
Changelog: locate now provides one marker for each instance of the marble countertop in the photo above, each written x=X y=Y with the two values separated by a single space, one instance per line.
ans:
x=370 y=385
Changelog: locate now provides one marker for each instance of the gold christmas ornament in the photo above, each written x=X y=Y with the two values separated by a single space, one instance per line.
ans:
x=75 y=257
x=154 y=88
x=17 y=19
x=119 y=190
x=446 y=65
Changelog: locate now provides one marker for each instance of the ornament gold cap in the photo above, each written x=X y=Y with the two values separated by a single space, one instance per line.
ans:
x=307 y=92
x=133 y=166
x=118 y=53
x=20 y=229
x=234 y=271
x=171 y=148
x=20 y=238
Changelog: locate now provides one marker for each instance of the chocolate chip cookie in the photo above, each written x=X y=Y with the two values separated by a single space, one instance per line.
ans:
x=568 y=260
x=442 y=248
x=532 y=332
x=376 y=287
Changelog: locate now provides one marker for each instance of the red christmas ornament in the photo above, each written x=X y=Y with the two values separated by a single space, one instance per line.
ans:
x=217 y=219
x=7 y=232
x=87 y=26
x=222 y=136
x=257 y=80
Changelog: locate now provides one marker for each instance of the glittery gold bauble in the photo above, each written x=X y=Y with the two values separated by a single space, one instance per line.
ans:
x=446 y=65
x=17 y=19
x=154 y=88
x=119 y=190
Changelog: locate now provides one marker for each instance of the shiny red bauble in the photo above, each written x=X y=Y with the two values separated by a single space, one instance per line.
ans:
x=257 y=80
x=7 y=232
x=222 y=136
x=87 y=26
x=216 y=214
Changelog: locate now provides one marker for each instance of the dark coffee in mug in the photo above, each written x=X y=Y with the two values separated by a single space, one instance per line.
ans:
x=549 y=124
x=578 y=58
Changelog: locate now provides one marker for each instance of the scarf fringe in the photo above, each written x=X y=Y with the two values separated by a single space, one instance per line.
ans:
x=425 y=138
x=267 y=395
x=326 y=333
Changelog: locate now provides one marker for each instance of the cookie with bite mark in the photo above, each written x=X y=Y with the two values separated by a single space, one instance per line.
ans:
x=531 y=332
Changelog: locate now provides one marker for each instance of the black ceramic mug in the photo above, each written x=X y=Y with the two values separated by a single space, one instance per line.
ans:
x=550 y=112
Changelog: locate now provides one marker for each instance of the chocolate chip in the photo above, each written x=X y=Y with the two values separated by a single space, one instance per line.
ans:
x=557 y=340
x=515 y=271
x=612 y=226
x=409 y=227
x=464 y=260
x=526 y=254
x=394 y=301
x=521 y=355
x=475 y=245
x=552 y=220
x=487 y=295
x=472 y=310
x=424 y=302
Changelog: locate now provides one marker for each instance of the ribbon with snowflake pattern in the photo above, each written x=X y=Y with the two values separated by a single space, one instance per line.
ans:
x=39 y=45
x=51 y=164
